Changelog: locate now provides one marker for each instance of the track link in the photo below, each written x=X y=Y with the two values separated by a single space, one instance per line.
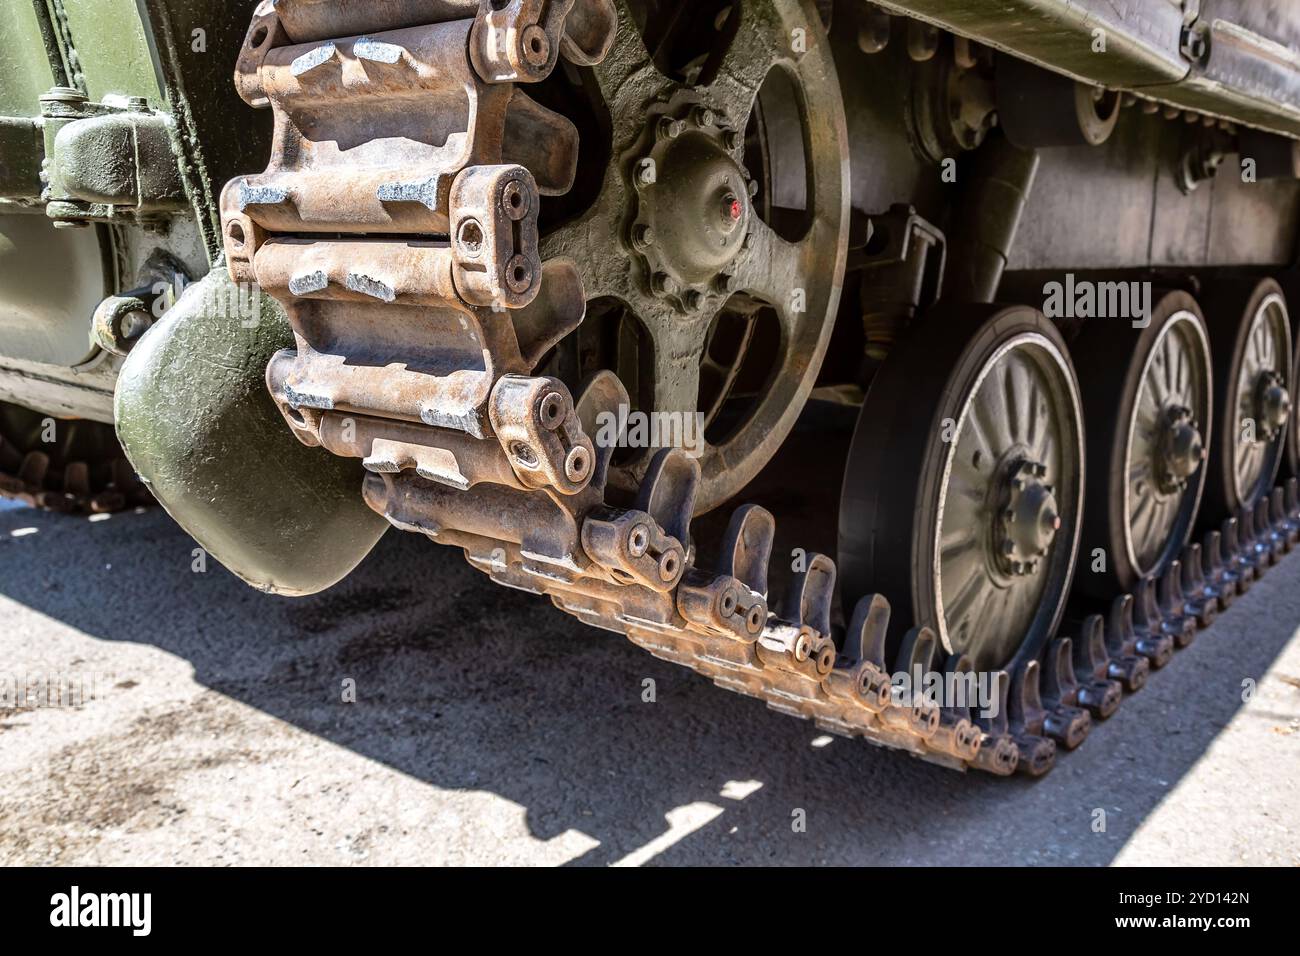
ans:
x=67 y=475
x=416 y=353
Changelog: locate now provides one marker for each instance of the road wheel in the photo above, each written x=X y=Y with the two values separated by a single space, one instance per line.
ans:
x=964 y=485
x=1147 y=400
x=1250 y=334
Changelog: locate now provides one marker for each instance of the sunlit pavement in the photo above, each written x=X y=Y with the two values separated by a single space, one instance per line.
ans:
x=490 y=728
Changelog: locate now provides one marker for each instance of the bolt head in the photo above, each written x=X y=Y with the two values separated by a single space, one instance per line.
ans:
x=663 y=284
x=695 y=300
x=643 y=237
x=670 y=128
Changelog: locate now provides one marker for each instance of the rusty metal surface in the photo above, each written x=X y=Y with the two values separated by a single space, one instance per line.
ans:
x=419 y=331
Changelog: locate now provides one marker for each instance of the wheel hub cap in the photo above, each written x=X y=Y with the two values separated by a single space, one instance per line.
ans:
x=1030 y=520
x=1181 y=449
x=1274 y=406
x=693 y=207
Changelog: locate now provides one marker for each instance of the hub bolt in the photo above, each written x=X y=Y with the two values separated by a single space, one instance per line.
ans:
x=643 y=237
x=663 y=284
x=704 y=116
x=695 y=300
x=670 y=128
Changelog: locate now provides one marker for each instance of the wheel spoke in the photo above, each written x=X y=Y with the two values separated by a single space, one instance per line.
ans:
x=775 y=271
x=677 y=350
x=628 y=75
x=760 y=41
x=592 y=241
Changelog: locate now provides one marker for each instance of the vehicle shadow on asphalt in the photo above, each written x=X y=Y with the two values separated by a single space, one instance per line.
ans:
x=465 y=685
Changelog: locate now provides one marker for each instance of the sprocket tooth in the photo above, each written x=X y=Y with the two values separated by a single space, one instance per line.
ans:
x=1127 y=650
x=1153 y=642
x=1173 y=607
x=1200 y=598
x=1100 y=689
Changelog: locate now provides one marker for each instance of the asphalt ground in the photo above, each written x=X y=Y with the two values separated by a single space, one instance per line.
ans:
x=489 y=728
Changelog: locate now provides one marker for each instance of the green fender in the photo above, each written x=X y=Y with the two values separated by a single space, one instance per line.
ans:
x=198 y=425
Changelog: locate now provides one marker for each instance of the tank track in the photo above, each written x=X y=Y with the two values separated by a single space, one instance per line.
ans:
x=417 y=355
x=94 y=480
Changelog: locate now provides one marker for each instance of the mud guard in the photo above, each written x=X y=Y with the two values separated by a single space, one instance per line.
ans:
x=199 y=426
